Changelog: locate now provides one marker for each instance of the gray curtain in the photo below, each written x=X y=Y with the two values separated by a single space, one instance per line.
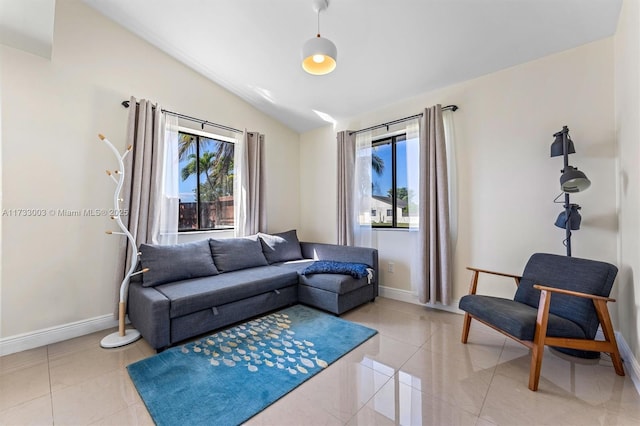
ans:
x=144 y=133
x=433 y=246
x=346 y=164
x=254 y=184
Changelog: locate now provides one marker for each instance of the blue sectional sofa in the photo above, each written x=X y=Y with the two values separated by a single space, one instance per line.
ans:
x=194 y=288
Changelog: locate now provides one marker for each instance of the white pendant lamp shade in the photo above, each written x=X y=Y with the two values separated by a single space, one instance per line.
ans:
x=319 y=56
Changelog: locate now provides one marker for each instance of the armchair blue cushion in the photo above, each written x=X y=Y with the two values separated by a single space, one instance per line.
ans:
x=517 y=319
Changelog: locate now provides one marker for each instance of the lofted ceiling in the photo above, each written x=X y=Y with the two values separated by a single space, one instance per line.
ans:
x=388 y=50
x=28 y=25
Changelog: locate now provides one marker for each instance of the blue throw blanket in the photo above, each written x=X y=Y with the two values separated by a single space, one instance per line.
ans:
x=356 y=270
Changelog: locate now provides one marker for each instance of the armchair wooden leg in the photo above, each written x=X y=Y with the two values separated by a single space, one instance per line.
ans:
x=537 y=351
x=465 y=327
x=609 y=335
x=467 y=318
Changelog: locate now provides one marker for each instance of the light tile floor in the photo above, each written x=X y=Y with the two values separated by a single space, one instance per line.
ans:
x=415 y=371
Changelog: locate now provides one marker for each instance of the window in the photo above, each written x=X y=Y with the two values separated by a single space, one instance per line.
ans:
x=206 y=182
x=390 y=192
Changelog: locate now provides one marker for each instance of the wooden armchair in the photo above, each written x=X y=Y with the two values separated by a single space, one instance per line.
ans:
x=568 y=321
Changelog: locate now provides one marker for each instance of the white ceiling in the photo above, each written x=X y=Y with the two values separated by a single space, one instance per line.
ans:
x=388 y=50
x=28 y=25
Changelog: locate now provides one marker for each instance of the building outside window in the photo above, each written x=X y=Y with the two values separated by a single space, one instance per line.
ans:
x=391 y=198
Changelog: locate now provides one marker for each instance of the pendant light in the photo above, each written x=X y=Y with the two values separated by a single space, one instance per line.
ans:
x=319 y=55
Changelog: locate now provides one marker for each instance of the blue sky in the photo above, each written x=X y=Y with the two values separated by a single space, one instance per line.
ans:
x=382 y=184
x=186 y=189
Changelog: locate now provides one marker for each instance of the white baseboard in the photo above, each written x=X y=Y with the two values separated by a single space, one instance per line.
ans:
x=409 y=297
x=632 y=367
x=47 y=336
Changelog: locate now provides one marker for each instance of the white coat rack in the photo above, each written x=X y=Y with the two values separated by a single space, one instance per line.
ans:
x=122 y=336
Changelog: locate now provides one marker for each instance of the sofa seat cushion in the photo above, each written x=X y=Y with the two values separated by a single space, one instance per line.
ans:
x=335 y=283
x=295 y=265
x=193 y=295
x=517 y=319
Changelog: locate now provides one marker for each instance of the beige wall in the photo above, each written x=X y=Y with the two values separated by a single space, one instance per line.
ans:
x=506 y=179
x=58 y=270
x=627 y=107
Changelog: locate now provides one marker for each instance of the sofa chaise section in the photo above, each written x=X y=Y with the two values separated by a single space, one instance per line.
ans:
x=338 y=293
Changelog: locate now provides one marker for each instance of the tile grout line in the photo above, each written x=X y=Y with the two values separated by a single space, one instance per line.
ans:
x=53 y=420
x=495 y=368
x=392 y=377
x=368 y=400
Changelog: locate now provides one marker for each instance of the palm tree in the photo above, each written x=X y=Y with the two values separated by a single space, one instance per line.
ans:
x=217 y=168
x=223 y=166
x=205 y=164
x=377 y=163
x=186 y=145
x=401 y=193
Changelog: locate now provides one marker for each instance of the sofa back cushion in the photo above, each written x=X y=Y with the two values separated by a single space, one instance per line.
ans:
x=280 y=247
x=232 y=254
x=176 y=262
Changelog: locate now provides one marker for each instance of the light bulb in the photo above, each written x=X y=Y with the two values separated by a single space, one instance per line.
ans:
x=318 y=59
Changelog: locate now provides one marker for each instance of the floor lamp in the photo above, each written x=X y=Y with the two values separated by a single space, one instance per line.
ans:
x=122 y=336
x=572 y=180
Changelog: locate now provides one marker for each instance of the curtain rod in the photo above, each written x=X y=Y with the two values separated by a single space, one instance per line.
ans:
x=195 y=120
x=400 y=120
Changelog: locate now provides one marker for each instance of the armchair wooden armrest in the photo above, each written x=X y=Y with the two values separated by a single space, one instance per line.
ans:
x=477 y=271
x=573 y=293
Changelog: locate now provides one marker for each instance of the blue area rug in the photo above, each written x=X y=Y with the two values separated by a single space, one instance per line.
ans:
x=228 y=377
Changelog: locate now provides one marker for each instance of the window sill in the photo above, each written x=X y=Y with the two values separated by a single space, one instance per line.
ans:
x=209 y=231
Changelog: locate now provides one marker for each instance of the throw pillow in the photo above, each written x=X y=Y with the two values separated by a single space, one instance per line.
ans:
x=231 y=254
x=280 y=247
x=176 y=262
